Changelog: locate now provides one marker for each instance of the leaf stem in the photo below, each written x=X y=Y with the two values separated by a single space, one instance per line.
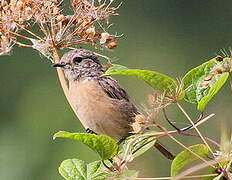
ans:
x=190 y=120
x=182 y=131
x=185 y=147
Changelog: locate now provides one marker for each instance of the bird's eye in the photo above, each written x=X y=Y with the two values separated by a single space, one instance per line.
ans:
x=77 y=60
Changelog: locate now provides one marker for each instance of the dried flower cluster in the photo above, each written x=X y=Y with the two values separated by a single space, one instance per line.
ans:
x=57 y=30
x=223 y=65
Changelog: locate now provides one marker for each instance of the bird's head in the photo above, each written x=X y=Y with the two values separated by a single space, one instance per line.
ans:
x=80 y=63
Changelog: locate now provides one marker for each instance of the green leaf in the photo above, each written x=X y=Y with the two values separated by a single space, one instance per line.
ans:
x=203 y=82
x=115 y=68
x=135 y=146
x=186 y=157
x=215 y=87
x=128 y=175
x=75 y=169
x=158 y=81
x=104 y=145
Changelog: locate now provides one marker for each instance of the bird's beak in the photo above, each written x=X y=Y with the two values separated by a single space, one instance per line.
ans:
x=61 y=64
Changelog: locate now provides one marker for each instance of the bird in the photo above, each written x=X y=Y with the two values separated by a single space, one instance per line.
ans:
x=100 y=102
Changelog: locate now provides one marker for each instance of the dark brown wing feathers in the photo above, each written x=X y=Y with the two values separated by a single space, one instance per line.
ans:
x=116 y=92
x=112 y=88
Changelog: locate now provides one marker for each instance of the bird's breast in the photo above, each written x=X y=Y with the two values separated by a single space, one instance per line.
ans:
x=95 y=109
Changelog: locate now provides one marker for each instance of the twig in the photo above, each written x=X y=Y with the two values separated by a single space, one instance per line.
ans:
x=167 y=119
x=182 y=131
x=42 y=28
x=73 y=18
x=19 y=35
x=30 y=32
x=206 y=138
x=199 y=121
x=186 y=177
x=185 y=147
x=187 y=116
x=105 y=57
x=74 y=43
x=21 y=44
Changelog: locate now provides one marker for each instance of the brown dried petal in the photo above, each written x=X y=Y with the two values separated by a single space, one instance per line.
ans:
x=209 y=77
x=219 y=69
x=140 y=118
x=111 y=45
x=205 y=84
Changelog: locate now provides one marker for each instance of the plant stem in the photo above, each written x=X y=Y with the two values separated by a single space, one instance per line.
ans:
x=19 y=35
x=187 y=116
x=21 y=44
x=186 y=177
x=185 y=147
x=82 y=41
x=183 y=130
x=30 y=32
x=188 y=134
x=62 y=78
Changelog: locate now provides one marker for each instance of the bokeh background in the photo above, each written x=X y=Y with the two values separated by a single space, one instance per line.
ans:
x=168 y=36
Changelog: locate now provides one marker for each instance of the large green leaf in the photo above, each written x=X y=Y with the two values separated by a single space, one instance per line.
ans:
x=104 y=145
x=203 y=82
x=75 y=169
x=158 y=81
x=185 y=157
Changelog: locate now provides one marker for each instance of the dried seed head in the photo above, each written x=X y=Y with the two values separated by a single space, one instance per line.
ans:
x=111 y=45
x=140 y=123
x=43 y=47
x=5 y=45
x=136 y=127
x=108 y=41
x=141 y=119
x=62 y=30
x=104 y=37
x=90 y=32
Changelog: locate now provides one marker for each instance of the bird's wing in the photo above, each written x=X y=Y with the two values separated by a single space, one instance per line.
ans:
x=112 y=88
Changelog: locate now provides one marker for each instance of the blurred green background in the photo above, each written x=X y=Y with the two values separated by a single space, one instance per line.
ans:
x=169 y=36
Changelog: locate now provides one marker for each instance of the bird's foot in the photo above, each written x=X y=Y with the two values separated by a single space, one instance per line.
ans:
x=90 y=131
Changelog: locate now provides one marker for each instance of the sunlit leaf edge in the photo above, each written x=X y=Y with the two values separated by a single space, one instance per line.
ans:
x=112 y=146
x=161 y=83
